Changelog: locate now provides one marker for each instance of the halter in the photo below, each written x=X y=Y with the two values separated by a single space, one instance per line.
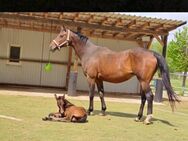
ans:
x=65 y=42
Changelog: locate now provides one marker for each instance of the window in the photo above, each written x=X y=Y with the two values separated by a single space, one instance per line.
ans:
x=14 y=55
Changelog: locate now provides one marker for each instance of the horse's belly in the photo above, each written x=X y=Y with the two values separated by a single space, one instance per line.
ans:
x=115 y=78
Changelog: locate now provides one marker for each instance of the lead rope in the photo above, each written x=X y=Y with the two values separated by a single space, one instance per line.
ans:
x=50 y=40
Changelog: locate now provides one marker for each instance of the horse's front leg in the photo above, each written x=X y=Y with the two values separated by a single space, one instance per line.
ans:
x=143 y=100
x=101 y=95
x=91 y=83
x=57 y=115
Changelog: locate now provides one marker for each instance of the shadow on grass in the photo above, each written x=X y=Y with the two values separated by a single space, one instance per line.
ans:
x=130 y=115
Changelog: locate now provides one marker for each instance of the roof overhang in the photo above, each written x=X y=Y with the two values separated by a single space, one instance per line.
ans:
x=103 y=25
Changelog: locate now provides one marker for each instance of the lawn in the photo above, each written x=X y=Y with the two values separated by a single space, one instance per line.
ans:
x=118 y=125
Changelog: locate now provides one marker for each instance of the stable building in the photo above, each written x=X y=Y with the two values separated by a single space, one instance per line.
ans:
x=25 y=39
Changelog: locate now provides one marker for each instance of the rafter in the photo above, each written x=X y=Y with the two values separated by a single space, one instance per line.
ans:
x=104 y=20
x=119 y=20
x=85 y=25
x=159 y=40
x=130 y=24
x=144 y=25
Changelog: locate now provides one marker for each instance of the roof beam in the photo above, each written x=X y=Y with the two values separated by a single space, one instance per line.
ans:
x=144 y=25
x=119 y=20
x=85 y=25
x=104 y=20
x=159 y=40
x=158 y=26
x=130 y=24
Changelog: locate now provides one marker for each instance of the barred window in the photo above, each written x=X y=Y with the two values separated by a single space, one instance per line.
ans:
x=14 y=55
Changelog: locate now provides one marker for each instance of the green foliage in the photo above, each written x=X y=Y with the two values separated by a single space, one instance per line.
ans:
x=177 y=55
x=156 y=46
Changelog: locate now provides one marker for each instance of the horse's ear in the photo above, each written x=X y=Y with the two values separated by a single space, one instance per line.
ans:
x=63 y=28
x=55 y=96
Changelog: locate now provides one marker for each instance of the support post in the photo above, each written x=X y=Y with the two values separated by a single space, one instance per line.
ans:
x=73 y=74
x=68 y=67
x=164 y=38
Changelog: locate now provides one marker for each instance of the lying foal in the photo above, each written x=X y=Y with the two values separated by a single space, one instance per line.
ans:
x=67 y=111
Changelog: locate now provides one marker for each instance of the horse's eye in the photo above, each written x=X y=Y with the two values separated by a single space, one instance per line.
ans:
x=61 y=36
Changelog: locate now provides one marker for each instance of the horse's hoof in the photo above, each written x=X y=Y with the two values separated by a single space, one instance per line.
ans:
x=147 y=121
x=137 y=119
x=90 y=113
x=102 y=113
x=45 y=118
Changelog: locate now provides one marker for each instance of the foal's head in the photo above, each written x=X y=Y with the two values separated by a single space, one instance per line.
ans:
x=62 y=39
x=60 y=103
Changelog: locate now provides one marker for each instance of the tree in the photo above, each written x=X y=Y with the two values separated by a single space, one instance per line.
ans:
x=177 y=53
x=156 y=46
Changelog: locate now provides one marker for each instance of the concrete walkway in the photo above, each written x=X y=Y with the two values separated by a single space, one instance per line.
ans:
x=49 y=92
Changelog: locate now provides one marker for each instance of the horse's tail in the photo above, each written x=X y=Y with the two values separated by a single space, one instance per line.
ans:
x=162 y=65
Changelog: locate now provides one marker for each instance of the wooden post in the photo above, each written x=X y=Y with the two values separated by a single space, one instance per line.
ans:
x=75 y=68
x=164 y=38
x=68 y=67
x=73 y=75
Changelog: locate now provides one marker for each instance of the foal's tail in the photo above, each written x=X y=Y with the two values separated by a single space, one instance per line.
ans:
x=162 y=65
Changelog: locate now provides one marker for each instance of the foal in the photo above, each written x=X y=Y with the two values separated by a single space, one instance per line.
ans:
x=68 y=111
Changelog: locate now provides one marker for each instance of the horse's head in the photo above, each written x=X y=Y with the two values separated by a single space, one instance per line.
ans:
x=60 y=103
x=61 y=40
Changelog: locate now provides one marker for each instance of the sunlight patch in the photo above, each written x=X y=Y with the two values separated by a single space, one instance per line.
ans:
x=11 y=118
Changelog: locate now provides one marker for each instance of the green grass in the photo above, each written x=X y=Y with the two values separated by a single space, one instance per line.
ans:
x=118 y=125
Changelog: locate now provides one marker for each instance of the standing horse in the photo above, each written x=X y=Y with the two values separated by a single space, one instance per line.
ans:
x=102 y=64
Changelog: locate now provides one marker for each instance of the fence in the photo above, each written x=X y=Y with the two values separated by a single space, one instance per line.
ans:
x=176 y=81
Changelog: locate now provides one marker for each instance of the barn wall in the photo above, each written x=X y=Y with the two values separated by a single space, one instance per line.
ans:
x=35 y=45
x=32 y=47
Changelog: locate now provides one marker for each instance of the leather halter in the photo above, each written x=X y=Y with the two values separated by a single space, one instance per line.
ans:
x=65 y=42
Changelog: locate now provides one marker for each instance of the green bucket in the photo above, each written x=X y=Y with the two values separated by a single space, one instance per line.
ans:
x=48 y=67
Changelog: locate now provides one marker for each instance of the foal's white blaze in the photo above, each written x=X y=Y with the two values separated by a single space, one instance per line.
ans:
x=11 y=118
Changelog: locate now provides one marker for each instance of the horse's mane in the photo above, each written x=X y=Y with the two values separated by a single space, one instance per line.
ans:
x=82 y=37
x=67 y=103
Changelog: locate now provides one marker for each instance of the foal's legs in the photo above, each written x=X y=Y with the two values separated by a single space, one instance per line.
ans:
x=101 y=94
x=91 y=83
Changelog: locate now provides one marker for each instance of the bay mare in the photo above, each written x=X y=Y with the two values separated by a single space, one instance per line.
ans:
x=102 y=64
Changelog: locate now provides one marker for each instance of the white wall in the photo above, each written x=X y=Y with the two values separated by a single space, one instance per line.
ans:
x=35 y=45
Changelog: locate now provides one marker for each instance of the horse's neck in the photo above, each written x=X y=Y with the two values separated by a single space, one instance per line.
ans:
x=81 y=47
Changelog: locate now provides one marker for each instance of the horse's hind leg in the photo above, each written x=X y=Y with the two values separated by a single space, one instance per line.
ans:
x=149 y=97
x=101 y=94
